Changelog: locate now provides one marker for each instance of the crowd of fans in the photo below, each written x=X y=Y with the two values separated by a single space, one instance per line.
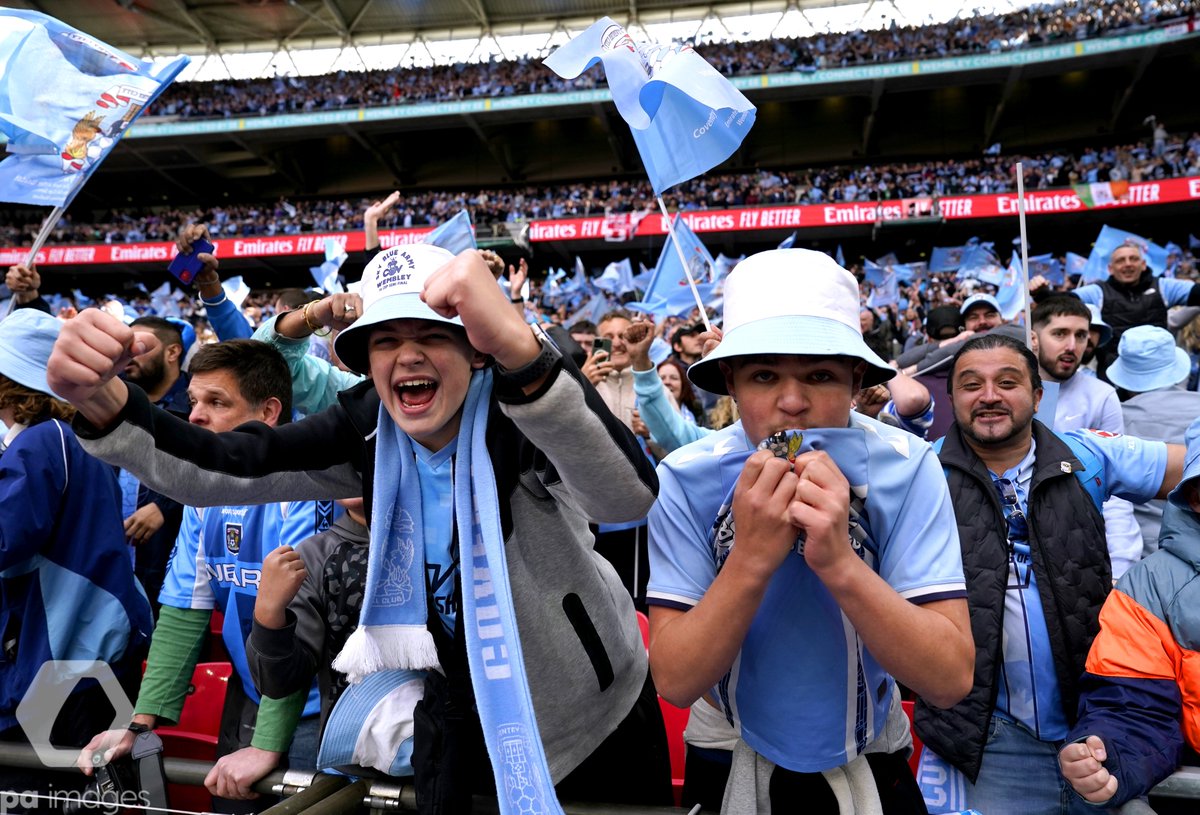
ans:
x=1162 y=155
x=1036 y=25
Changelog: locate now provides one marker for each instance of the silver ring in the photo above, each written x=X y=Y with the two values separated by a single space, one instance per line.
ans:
x=349 y=307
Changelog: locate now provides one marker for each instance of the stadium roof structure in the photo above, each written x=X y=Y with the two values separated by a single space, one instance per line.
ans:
x=214 y=25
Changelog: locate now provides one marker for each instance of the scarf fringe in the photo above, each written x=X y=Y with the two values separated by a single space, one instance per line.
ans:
x=373 y=648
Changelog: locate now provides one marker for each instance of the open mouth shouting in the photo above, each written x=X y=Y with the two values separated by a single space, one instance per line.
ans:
x=415 y=394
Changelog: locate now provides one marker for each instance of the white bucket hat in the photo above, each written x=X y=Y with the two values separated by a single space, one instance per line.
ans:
x=790 y=301
x=391 y=290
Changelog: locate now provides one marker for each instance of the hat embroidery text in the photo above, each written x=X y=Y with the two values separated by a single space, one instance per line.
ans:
x=393 y=274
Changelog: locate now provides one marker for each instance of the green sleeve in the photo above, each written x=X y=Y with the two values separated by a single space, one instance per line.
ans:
x=315 y=383
x=174 y=651
x=277 y=720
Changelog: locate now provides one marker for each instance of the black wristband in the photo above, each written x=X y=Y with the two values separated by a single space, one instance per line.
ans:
x=138 y=727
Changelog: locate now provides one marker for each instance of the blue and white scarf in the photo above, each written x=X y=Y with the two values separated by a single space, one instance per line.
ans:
x=392 y=635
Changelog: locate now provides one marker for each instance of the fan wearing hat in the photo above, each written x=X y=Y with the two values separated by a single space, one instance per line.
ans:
x=804 y=556
x=1151 y=372
x=65 y=575
x=482 y=456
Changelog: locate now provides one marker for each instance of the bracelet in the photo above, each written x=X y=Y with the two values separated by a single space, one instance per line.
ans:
x=517 y=299
x=315 y=329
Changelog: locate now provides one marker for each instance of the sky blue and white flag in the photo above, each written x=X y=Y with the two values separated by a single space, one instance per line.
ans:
x=454 y=235
x=1108 y=240
x=840 y=257
x=327 y=274
x=874 y=273
x=617 y=278
x=1193 y=242
x=886 y=292
x=1049 y=267
x=592 y=311
x=788 y=242
x=723 y=266
x=668 y=294
x=946 y=258
x=65 y=101
x=82 y=301
x=685 y=117
x=236 y=289
x=1075 y=265
x=980 y=263
x=1011 y=291
x=642 y=279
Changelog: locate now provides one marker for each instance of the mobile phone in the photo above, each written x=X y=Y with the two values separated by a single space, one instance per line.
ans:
x=602 y=344
x=184 y=267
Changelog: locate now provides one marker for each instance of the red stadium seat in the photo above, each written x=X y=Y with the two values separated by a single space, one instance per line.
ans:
x=205 y=700
x=918 y=746
x=183 y=744
x=675 y=719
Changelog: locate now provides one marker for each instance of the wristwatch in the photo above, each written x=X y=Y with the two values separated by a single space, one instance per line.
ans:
x=138 y=727
x=536 y=368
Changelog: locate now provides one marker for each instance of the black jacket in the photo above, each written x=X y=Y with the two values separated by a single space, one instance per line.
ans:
x=1070 y=561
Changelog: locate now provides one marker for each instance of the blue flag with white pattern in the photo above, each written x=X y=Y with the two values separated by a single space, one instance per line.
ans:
x=65 y=101
x=685 y=117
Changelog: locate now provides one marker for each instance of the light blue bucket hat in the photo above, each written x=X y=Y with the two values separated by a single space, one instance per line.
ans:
x=1148 y=359
x=26 y=339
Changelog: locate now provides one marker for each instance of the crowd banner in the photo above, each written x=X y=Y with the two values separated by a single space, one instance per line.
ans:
x=749 y=219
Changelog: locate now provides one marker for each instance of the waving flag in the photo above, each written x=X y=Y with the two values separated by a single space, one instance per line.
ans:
x=980 y=263
x=946 y=258
x=1011 y=294
x=1048 y=267
x=65 y=101
x=454 y=235
x=1075 y=265
x=886 y=292
x=668 y=294
x=591 y=311
x=1102 y=194
x=617 y=278
x=326 y=275
x=685 y=117
x=1109 y=239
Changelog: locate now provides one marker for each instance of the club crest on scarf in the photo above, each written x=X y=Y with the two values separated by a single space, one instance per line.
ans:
x=519 y=785
x=396 y=588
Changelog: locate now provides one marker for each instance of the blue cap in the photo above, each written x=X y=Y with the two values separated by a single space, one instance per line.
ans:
x=26 y=339
x=976 y=299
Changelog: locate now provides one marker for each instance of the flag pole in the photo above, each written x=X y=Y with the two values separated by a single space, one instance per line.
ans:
x=1024 y=254
x=683 y=262
x=38 y=242
x=43 y=234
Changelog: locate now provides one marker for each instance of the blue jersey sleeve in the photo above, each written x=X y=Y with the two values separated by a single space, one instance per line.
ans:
x=909 y=504
x=186 y=583
x=304 y=519
x=1174 y=292
x=1133 y=467
x=682 y=566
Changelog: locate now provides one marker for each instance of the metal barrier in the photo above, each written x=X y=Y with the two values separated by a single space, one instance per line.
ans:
x=314 y=793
